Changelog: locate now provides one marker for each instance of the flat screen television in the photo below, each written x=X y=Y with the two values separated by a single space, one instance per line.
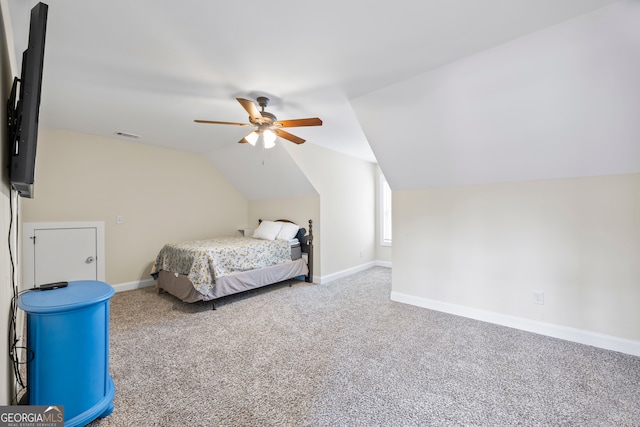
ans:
x=23 y=107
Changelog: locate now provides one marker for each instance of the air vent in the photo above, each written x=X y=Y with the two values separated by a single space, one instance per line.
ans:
x=127 y=135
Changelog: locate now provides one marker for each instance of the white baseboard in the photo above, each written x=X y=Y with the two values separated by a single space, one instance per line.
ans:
x=607 y=342
x=344 y=273
x=386 y=264
x=129 y=286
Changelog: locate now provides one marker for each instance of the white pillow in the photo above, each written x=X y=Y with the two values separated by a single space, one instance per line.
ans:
x=288 y=231
x=267 y=230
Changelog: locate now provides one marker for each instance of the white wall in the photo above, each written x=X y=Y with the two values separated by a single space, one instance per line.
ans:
x=560 y=103
x=489 y=247
x=346 y=228
x=260 y=174
x=552 y=120
x=164 y=195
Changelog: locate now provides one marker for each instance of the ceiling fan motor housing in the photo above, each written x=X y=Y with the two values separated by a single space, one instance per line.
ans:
x=263 y=101
x=267 y=118
x=270 y=117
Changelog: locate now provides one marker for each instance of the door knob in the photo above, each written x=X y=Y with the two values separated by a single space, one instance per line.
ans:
x=90 y=260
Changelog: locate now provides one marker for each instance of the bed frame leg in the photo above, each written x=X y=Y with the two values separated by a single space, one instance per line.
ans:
x=213 y=305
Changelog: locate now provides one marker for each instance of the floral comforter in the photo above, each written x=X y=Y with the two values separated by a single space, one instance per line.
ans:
x=205 y=261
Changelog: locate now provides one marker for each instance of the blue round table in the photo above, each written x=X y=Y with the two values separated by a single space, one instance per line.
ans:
x=68 y=349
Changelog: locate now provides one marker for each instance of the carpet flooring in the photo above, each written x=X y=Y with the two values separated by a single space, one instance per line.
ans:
x=343 y=354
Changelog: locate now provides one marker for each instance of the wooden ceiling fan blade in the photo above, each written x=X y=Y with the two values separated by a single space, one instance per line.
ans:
x=222 y=123
x=251 y=108
x=288 y=136
x=298 y=122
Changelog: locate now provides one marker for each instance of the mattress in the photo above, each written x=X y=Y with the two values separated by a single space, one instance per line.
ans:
x=204 y=262
x=180 y=286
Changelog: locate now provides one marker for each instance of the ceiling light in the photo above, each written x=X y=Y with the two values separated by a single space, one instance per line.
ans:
x=252 y=138
x=269 y=138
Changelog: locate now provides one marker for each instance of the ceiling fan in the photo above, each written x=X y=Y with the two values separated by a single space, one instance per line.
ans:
x=268 y=126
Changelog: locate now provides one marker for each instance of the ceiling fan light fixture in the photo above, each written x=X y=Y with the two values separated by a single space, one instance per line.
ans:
x=269 y=138
x=252 y=138
x=267 y=124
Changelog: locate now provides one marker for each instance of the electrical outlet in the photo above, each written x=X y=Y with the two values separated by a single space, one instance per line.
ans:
x=119 y=219
x=538 y=298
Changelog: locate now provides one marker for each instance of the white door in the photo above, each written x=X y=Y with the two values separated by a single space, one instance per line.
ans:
x=64 y=254
x=55 y=252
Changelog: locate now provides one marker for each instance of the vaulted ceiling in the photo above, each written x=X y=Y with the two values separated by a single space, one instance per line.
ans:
x=150 y=67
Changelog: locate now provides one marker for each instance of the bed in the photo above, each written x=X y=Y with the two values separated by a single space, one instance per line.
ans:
x=206 y=270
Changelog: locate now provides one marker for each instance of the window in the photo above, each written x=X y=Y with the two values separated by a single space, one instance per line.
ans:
x=385 y=212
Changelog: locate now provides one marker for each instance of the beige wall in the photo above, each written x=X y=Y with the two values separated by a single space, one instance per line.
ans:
x=297 y=209
x=490 y=246
x=347 y=188
x=164 y=195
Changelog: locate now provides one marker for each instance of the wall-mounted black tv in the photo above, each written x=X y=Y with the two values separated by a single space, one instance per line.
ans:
x=23 y=107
